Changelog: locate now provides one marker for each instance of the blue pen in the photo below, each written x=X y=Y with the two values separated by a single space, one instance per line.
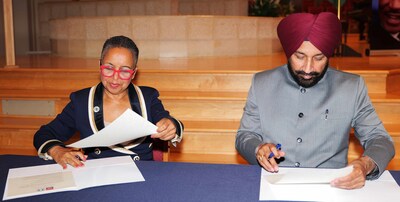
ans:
x=278 y=147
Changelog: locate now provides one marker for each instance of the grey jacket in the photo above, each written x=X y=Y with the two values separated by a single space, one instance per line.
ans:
x=312 y=124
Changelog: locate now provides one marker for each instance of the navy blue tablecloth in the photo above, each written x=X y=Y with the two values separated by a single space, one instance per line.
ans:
x=163 y=182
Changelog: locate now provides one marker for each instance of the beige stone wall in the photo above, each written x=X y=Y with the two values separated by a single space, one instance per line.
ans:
x=60 y=10
x=213 y=7
x=168 y=36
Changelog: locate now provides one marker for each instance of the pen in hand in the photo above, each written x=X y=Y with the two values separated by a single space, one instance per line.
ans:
x=268 y=161
x=278 y=147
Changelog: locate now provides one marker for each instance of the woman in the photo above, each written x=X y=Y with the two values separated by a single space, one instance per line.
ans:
x=92 y=109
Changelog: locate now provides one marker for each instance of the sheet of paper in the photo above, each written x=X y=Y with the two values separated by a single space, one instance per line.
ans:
x=307 y=175
x=114 y=170
x=372 y=191
x=128 y=126
x=383 y=189
x=36 y=180
x=39 y=184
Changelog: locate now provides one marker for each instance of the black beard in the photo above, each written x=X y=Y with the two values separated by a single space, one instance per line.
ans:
x=307 y=83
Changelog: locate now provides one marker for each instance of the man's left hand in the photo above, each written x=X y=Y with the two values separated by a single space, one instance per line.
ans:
x=356 y=179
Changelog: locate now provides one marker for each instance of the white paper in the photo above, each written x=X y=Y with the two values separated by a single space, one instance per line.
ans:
x=383 y=189
x=37 y=180
x=128 y=126
x=307 y=175
x=373 y=191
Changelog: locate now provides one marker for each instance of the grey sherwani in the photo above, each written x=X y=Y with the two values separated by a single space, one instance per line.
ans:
x=312 y=124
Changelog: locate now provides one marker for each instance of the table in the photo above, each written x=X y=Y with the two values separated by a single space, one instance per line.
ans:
x=165 y=181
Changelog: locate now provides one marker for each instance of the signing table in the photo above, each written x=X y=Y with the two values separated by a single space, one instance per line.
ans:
x=169 y=181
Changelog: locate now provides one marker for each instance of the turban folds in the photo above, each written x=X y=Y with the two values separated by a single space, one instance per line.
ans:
x=323 y=30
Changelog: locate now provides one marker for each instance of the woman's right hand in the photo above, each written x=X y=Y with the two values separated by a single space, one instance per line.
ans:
x=64 y=156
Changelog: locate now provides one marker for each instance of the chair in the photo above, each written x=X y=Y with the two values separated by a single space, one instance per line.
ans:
x=160 y=150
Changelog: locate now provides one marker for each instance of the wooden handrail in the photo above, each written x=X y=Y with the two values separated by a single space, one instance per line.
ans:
x=9 y=33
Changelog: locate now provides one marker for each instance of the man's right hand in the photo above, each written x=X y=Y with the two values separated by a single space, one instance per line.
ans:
x=64 y=156
x=263 y=152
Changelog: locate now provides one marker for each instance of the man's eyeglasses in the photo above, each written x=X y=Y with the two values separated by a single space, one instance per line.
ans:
x=124 y=73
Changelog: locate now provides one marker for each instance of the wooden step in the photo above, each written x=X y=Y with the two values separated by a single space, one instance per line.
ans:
x=393 y=81
x=34 y=93
x=208 y=137
x=17 y=141
x=375 y=80
x=163 y=80
x=18 y=122
x=230 y=107
x=204 y=141
x=207 y=158
x=62 y=94
x=196 y=105
x=387 y=106
x=16 y=134
x=185 y=105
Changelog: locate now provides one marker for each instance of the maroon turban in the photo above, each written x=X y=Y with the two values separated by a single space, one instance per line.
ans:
x=323 y=30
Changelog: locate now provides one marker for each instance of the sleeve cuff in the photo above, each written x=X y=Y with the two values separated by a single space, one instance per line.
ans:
x=375 y=173
x=42 y=151
x=179 y=131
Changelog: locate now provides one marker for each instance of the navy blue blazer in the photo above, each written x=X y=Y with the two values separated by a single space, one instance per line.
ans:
x=76 y=117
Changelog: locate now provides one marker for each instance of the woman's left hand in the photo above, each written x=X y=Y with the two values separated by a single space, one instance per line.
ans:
x=166 y=130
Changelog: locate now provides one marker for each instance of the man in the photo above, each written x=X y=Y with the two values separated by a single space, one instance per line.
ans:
x=385 y=32
x=309 y=108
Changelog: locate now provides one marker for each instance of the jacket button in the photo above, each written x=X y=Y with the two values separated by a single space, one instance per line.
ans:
x=97 y=151
x=136 y=158
x=96 y=109
x=301 y=115
x=297 y=164
x=299 y=140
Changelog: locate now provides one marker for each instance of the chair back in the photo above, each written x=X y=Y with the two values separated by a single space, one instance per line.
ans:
x=160 y=150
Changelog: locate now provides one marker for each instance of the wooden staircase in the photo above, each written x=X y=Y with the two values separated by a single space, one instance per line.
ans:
x=209 y=102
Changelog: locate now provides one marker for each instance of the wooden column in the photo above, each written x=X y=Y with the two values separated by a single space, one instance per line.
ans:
x=9 y=33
